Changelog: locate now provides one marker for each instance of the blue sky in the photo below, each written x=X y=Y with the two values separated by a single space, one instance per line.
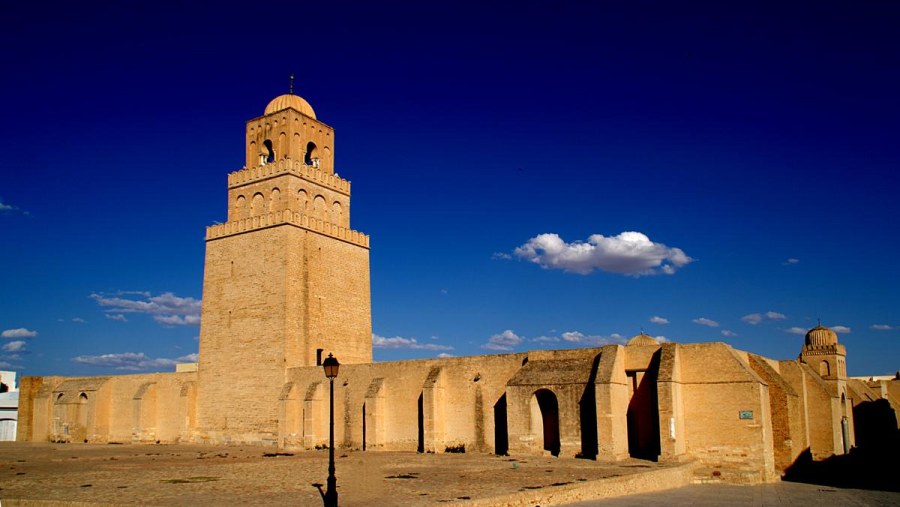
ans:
x=532 y=175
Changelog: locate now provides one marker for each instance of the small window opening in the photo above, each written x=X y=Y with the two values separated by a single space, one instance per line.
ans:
x=82 y=396
x=270 y=152
x=311 y=157
x=319 y=356
x=4 y=388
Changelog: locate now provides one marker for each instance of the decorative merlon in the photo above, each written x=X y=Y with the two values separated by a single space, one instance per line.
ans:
x=287 y=217
x=310 y=173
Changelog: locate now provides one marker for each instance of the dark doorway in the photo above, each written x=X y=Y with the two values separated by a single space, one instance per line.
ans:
x=549 y=418
x=501 y=430
x=421 y=447
x=364 y=427
x=587 y=413
x=643 y=412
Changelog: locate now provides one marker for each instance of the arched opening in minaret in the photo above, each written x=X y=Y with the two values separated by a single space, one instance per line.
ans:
x=270 y=151
x=311 y=157
x=824 y=369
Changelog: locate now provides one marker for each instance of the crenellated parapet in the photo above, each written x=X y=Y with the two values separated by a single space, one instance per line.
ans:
x=288 y=166
x=291 y=218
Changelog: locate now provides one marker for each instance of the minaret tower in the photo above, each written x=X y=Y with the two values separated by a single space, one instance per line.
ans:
x=286 y=281
x=822 y=352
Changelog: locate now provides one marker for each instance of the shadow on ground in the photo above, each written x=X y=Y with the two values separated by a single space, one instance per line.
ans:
x=872 y=466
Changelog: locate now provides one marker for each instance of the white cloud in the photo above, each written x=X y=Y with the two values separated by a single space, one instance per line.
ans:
x=177 y=319
x=703 y=321
x=661 y=339
x=501 y=256
x=791 y=262
x=753 y=318
x=728 y=332
x=659 y=320
x=133 y=361
x=629 y=253
x=16 y=346
x=166 y=308
x=840 y=329
x=399 y=342
x=4 y=364
x=20 y=332
x=444 y=355
x=756 y=318
x=581 y=338
x=116 y=316
x=795 y=330
x=506 y=340
x=78 y=320
x=881 y=327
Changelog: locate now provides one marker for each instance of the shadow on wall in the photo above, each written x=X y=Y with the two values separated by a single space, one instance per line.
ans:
x=872 y=465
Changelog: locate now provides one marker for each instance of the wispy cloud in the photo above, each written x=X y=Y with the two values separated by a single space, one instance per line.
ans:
x=796 y=330
x=659 y=320
x=9 y=209
x=398 y=342
x=133 y=361
x=444 y=355
x=589 y=340
x=20 y=332
x=728 y=332
x=166 y=308
x=78 y=320
x=755 y=318
x=791 y=261
x=16 y=346
x=629 y=253
x=703 y=321
x=881 y=327
x=116 y=316
x=507 y=340
x=501 y=256
x=841 y=329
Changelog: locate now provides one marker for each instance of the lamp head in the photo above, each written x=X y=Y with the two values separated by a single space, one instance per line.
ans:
x=330 y=364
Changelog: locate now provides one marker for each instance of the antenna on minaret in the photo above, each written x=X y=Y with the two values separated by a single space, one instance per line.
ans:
x=291 y=90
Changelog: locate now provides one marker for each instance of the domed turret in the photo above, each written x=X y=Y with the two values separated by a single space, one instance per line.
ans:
x=642 y=339
x=290 y=100
x=821 y=336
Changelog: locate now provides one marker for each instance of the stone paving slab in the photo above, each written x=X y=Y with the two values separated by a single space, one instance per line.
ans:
x=773 y=494
x=48 y=475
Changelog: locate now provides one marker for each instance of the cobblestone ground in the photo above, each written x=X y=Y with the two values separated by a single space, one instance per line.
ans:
x=780 y=493
x=204 y=475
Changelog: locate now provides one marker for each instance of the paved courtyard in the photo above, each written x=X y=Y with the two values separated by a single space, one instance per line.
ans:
x=780 y=493
x=52 y=475
x=247 y=475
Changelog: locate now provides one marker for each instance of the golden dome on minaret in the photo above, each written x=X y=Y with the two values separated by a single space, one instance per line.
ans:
x=289 y=100
x=821 y=336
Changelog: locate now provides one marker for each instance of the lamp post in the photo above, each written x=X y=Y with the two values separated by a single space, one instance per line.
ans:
x=330 y=364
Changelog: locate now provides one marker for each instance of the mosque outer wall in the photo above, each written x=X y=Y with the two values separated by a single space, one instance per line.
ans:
x=442 y=405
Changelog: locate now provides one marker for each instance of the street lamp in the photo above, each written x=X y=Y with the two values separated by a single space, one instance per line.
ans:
x=330 y=364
